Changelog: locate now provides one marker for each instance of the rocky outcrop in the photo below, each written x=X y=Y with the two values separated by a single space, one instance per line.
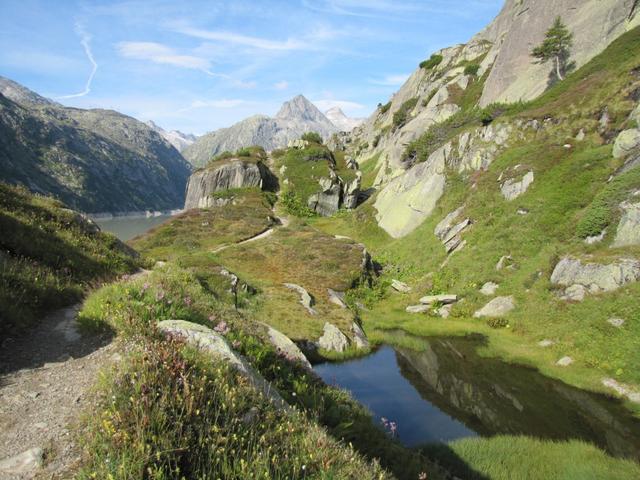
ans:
x=578 y=277
x=422 y=308
x=235 y=173
x=351 y=191
x=214 y=344
x=498 y=307
x=295 y=117
x=327 y=201
x=443 y=298
x=450 y=229
x=360 y=339
x=332 y=339
x=628 y=232
x=512 y=189
x=337 y=298
x=406 y=201
x=286 y=347
x=94 y=160
x=522 y=25
x=25 y=463
x=626 y=143
x=399 y=286
x=306 y=299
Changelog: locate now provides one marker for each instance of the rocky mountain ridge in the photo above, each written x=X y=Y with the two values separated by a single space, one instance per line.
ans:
x=93 y=160
x=178 y=139
x=294 y=118
x=341 y=121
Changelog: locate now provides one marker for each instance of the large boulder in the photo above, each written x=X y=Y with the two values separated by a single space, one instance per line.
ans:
x=512 y=189
x=306 y=299
x=351 y=191
x=286 y=347
x=327 y=201
x=232 y=174
x=407 y=200
x=332 y=339
x=628 y=232
x=595 y=277
x=498 y=307
x=214 y=344
x=626 y=142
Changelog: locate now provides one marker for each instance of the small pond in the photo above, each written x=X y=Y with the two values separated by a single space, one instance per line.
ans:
x=446 y=392
x=126 y=228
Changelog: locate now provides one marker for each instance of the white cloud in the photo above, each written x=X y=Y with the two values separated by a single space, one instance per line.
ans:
x=283 y=85
x=85 y=41
x=245 y=40
x=326 y=104
x=161 y=54
x=390 y=80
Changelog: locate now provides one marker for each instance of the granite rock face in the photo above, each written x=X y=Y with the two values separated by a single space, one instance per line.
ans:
x=498 y=307
x=235 y=173
x=628 y=232
x=595 y=277
x=332 y=339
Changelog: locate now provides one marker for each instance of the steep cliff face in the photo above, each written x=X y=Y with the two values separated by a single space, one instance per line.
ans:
x=494 y=66
x=232 y=174
x=521 y=25
x=295 y=117
x=93 y=160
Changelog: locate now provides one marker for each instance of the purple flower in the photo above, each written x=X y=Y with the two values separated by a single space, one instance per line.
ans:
x=187 y=301
x=146 y=286
x=159 y=295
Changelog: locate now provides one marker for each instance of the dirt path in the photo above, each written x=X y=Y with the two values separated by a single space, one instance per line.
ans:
x=45 y=377
x=284 y=222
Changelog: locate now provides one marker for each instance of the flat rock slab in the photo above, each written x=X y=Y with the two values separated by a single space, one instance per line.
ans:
x=443 y=298
x=418 y=308
x=595 y=276
x=206 y=340
x=360 y=339
x=545 y=343
x=616 y=322
x=400 y=286
x=337 y=298
x=24 y=462
x=512 y=189
x=497 y=307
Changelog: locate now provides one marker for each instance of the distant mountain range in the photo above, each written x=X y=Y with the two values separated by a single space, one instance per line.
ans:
x=94 y=160
x=341 y=121
x=175 y=137
x=295 y=117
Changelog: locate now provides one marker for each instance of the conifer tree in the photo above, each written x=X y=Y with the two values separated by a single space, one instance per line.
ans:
x=556 y=47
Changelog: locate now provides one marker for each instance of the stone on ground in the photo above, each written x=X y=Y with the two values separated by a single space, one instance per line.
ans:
x=497 y=307
x=442 y=298
x=306 y=300
x=564 y=362
x=626 y=142
x=616 y=322
x=23 y=463
x=418 y=308
x=489 y=288
x=628 y=232
x=332 y=339
x=595 y=277
x=286 y=346
x=545 y=343
x=512 y=189
x=337 y=298
x=208 y=341
x=400 y=286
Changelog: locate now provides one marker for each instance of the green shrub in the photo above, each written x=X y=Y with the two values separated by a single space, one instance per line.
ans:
x=471 y=69
x=294 y=205
x=384 y=108
x=315 y=153
x=432 y=62
x=312 y=137
x=428 y=98
x=401 y=116
x=600 y=214
x=497 y=322
x=222 y=156
x=243 y=152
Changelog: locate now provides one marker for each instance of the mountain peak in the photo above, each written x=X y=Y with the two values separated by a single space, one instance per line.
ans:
x=300 y=108
x=20 y=94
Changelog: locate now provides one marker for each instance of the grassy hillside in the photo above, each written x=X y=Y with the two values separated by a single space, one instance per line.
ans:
x=572 y=197
x=49 y=255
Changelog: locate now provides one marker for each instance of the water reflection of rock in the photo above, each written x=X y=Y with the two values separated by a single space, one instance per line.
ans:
x=493 y=397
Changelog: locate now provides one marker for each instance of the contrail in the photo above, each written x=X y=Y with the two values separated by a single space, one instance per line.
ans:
x=85 y=41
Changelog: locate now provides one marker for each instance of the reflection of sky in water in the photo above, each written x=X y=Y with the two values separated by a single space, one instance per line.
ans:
x=376 y=382
x=126 y=228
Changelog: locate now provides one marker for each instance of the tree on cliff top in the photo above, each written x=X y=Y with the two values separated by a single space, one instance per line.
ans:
x=556 y=47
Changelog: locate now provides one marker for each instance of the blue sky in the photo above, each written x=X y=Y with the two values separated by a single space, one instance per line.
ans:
x=200 y=65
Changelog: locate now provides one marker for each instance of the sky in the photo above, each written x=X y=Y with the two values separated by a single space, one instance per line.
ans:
x=196 y=66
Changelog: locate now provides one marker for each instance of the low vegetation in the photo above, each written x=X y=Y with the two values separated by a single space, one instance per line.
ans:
x=49 y=255
x=401 y=116
x=433 y=61
x=312 y=137
x=255 y=153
